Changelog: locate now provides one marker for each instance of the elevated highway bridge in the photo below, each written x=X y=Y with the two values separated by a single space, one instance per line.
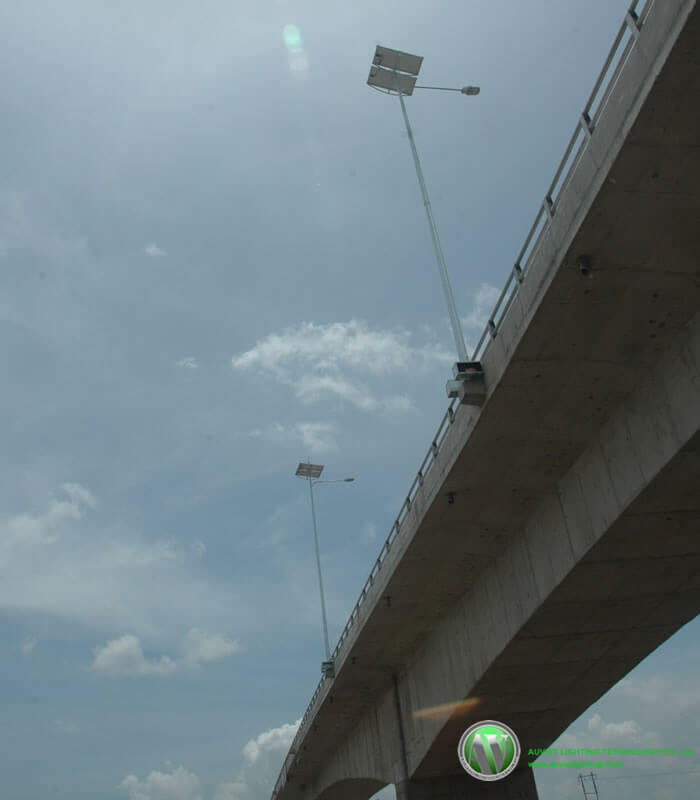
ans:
x=551 y=539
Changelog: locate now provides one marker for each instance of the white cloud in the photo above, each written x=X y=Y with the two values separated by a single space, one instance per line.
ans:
x=659 y=693
x=264 y=755
x=274 y=431
x=254 y=781
x=628 y=733
x=398 y=403
x=63 y=563
x=336 y=359
x=311 y=388
x=124 y=656
x=484 y=302
x=23 y=532
x=28 y=645
x=646 y=690
x=336 y=345
x=189 y=362
x=318 y=437
x=79 y=495
x=608 y=733
x=273 y=740
x=176 y=785
x=201 y=647
x=154 y=251
x=629 y=729
x=230 y=791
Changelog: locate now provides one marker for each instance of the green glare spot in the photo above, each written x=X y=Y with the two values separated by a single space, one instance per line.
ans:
x=292 y=38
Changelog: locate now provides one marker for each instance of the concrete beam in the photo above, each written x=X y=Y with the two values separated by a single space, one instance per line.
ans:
x=519 y=785
x=589 y=586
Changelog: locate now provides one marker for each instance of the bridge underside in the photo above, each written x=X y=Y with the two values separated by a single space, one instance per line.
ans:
x=633 y=590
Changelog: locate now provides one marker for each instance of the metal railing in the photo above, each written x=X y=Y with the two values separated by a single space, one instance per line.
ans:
x=427 y=463
x=625 y=40
x=583 y=132
x=423 y=470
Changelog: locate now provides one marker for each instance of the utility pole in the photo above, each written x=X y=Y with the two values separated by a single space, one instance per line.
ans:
x=586 y=792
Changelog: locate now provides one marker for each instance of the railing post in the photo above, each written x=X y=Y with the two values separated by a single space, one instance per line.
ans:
x=632 y=21
x=586 y=125
x=548 y=206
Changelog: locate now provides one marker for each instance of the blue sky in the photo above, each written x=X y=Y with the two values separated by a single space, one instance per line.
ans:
x=214 y=263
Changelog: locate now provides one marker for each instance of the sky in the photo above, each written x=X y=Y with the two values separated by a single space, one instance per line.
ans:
x=214 y=264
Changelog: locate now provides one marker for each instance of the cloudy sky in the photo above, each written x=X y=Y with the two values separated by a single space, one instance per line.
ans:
x=214 y=263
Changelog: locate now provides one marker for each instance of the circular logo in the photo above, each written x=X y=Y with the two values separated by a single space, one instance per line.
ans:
x=489 y=750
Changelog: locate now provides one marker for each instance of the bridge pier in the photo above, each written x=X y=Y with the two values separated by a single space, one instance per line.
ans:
x=520 y=785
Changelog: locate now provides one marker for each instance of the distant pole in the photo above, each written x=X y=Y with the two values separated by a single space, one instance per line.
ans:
x=587 y=794
x=320 y=579
x=312 y=472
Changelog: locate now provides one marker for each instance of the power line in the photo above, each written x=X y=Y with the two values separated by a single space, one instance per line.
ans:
x=606 y=777
x=651 y=774
x=586 y=793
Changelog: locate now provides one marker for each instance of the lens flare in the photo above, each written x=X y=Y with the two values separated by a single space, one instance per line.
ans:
x=446 y=710
x=298 y=62
x=292 y=38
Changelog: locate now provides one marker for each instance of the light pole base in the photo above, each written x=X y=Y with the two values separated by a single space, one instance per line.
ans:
x=467 y=370
x=468 y=383
x=328 y=669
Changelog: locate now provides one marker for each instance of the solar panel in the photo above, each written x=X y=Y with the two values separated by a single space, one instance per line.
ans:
x=309 y=470
x=397 y=59
x=393 y=81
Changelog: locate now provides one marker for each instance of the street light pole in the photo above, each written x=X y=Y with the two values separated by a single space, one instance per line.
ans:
x=395 y=72
x=312 y=472
x=320 y=578
x=446 y=288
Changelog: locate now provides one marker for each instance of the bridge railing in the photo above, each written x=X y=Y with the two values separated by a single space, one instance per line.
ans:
x=423 y=470
x=622 y=46
x=625 y=40
x=425 y=466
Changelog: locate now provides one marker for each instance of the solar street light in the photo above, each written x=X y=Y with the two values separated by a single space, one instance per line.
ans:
x=396 y=72
x=312 y=473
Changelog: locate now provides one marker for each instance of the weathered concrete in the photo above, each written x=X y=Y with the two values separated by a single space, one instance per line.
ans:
x=591 y=584
x=572 y=549
x=603 y=571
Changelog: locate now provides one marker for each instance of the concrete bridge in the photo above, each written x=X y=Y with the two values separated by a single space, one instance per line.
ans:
x=551 y=539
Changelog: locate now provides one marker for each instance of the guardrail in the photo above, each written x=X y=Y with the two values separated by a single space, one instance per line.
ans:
x=622 y=46
x=425 y=466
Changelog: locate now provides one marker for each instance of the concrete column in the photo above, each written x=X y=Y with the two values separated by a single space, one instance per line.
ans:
x=520 y=785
